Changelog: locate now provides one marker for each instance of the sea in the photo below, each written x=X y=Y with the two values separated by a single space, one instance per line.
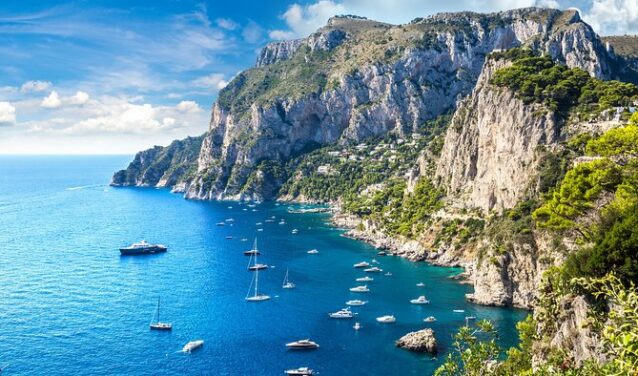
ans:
x=71 y=305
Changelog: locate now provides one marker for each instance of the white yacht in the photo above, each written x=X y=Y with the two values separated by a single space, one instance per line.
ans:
x=356 y=302
x=387 y=319
x=287 y=284
x=365 y=279
x=313 y=252
x=373 y=269
x=363 y=288
x=344 y=313
x=420 y=300
x=301 y=371
x=361 y=264
x=302 y=344
x=256 y=297
x=192 y=345
x=429 y=319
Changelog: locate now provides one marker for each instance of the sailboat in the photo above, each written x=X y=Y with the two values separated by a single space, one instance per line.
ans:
x=287 y=284
x=256 y=297
x=157 y=324
x=256 y=265
x=253 y=251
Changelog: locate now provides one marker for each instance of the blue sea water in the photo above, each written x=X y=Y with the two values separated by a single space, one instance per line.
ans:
x=70 y=305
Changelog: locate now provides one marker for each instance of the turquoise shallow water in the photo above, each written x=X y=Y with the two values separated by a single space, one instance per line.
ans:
x=70 y=305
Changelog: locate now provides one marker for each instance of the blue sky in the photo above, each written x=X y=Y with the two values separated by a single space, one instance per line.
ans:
x=119 y=76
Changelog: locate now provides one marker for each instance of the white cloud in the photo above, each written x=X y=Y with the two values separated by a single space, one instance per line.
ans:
x=37 y=86
x=7 y=114
x=52 y=101
x=609 y=17
x=252 y=32
x=213 y=82
x=188 y=106
x=226 y=23
x=79 y=98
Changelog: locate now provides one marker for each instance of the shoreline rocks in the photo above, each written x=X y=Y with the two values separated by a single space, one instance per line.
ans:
x=422 y=341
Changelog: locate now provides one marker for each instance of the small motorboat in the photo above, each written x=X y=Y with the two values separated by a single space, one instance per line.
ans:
x=294 y=231
x=458 y=310
x=363 y=288
x=356 y=302
x=260 y=229
x=373 y=269
x=344 y=313
x=221 y=223
x=420 y=300
x=258 y=224
x=229 y=237
x=244 y=239
x=282 y=222
x=302 y=344
x=374 y=261
x=420 y=284
x=387 y=319
x=429 y=319
x=382 y=253
x=388 y=274
x=365 y=279
x=313 y=252
x=230 y=220
x=357 y=326
x=361 y=264
x=301 y=371
x=192 y=345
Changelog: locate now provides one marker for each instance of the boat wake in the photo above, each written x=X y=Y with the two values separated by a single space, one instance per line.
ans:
x=84 y=187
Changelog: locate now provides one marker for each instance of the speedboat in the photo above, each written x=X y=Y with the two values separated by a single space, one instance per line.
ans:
x=344 y=313
x=301 y=371
x=356 y=302
x=420 y=284
x=294 y=231
x=357 y=326
x=373 y=269
x=230 y=220
x=429 y=319
x=282 y=222
x=365 y=279
x=458 y=310
x=361 y=264
x=387 y=319
x=258 y=224
x=192 y=345
x=313 y=252
x=363 y=288
x=260 y=229
x=221 y=223
x=142 y=248
x=302 y=344
x=420 y=300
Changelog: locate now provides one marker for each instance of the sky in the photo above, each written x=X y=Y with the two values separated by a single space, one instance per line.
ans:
x=115 y=77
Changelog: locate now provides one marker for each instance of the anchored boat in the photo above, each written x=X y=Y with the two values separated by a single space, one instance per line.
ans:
x=142 y=248
x=157 y=324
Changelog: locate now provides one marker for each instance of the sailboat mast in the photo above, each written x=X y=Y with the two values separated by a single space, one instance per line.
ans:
x=158 y=309
x=256 y=278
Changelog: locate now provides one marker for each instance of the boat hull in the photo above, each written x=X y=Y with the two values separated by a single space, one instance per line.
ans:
x=142 y=251
x=161 y=326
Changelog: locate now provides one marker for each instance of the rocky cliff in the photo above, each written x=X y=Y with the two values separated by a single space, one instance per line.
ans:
x=357 y=78
x=161 y=166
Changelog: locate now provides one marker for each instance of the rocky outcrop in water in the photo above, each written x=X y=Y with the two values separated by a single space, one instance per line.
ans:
x=420 y=341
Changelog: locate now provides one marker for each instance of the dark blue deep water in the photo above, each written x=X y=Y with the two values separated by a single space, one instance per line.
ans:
x=70 y=305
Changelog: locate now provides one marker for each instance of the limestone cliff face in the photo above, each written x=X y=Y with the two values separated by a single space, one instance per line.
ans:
x=371 y=78
x=489 y=158
x=161 y=166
